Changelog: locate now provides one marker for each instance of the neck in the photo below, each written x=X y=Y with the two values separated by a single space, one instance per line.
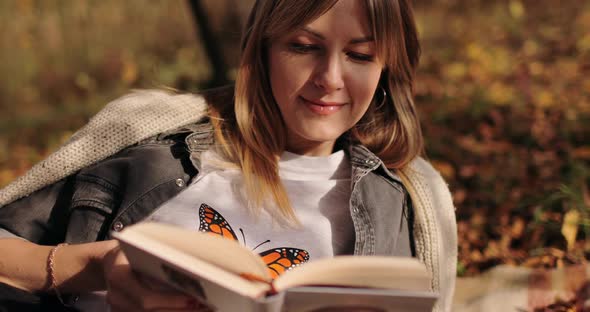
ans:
x=311 y=148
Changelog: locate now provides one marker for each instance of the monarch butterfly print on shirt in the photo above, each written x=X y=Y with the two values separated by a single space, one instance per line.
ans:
x=278 y=260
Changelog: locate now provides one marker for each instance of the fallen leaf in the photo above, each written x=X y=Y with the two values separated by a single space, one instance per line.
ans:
x=569 y=228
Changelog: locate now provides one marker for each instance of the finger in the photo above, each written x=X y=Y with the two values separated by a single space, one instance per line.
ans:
x=122 y=280
x=121 y=301
x=142 y=292
x=147 y=298
x=118 y=302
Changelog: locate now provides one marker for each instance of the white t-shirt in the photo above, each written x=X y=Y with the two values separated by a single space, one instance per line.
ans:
x=319 y=192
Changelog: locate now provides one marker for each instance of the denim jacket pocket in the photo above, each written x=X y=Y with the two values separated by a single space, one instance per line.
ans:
x=92 y=206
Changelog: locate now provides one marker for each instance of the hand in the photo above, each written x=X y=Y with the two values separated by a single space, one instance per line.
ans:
x=129 y=291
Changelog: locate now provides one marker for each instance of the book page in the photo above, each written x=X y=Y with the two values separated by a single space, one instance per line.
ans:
x=221 y=252
x=333 y=299
x=359 y=271
x=156 y=250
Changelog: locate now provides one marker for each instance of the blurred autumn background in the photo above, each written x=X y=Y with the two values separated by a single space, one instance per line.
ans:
x=503 y=90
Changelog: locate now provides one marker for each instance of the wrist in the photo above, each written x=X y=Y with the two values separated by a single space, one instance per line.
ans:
x=78 y=268
x=52 y=281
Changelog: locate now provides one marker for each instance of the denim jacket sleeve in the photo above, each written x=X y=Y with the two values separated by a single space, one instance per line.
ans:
x=121 y=189
x=39 y=217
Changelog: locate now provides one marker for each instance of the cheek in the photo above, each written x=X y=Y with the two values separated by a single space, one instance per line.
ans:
x=286 y=76
x=275 y=74
x=362 y=85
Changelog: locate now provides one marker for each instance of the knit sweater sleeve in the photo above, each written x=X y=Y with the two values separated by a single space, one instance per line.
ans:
x=121 y=123
x=435 y=227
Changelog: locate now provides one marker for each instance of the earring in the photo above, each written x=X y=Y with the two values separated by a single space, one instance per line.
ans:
x=383 y=99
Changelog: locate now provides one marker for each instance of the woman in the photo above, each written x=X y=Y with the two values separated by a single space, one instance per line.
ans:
x=316 y=147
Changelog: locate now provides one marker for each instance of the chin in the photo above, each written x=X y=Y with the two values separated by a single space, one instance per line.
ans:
x=319 y=136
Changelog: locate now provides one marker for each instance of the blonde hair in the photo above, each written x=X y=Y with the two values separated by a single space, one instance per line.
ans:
x=250 y=128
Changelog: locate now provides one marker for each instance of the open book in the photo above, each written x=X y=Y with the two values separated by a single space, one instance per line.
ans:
x=230 y=277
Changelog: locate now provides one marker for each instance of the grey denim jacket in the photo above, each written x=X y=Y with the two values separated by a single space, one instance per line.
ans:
x=128 y=186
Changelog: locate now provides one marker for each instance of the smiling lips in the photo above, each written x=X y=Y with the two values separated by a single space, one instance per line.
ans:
x=321 y=107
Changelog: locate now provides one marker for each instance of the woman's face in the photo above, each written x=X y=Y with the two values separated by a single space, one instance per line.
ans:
x=323 y=77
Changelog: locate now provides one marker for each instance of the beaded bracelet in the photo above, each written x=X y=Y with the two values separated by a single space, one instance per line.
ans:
x=51 y=272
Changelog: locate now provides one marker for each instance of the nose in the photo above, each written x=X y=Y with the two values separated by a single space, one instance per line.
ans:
x=328 y=75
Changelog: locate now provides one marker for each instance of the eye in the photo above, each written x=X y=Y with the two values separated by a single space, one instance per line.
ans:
x=302 y=48
x=360 y=57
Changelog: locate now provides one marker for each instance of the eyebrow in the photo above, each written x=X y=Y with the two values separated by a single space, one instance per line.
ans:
x=352 y=41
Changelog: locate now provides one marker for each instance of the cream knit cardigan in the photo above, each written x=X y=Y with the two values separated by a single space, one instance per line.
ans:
x=142 y=114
